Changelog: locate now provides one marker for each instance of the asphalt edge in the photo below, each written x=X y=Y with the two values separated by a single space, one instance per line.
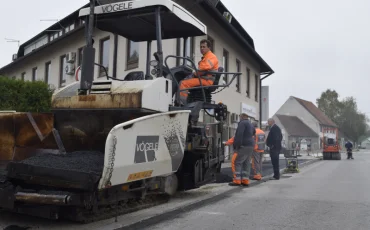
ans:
x=196 y=204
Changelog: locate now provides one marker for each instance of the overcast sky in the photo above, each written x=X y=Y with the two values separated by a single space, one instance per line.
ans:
x=312 y=45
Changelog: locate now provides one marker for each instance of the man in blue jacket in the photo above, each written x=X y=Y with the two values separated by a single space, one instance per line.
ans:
x=243 y=150
x=349 y=147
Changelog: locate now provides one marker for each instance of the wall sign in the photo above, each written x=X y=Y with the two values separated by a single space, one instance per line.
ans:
x=249 y=110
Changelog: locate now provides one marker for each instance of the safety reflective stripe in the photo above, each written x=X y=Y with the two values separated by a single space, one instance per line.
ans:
x=244 y=175
x=261 y=141
x=210 y=63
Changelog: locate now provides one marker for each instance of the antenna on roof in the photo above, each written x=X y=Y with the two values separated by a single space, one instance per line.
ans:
x=12 y=40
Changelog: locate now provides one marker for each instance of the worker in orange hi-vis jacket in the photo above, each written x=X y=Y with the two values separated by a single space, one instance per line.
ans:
x=209 y=62
x=257 y=156
x=257 y=152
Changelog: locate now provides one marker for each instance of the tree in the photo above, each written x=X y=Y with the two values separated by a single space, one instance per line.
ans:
x=345 y=114
x=329 y=104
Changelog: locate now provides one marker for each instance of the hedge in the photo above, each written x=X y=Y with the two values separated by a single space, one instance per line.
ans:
x=24 y=96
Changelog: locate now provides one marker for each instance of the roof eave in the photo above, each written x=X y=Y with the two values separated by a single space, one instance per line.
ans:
x=264 y=67
x=77 y=29
x=42 y=33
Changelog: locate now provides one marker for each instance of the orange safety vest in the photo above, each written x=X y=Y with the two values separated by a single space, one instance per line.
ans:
x=209 y=62
x=260 y=141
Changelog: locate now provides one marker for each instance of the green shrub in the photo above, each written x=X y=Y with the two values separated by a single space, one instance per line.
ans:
x=24 y=96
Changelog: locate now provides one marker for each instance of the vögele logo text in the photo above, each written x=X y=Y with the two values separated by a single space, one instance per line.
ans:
x=117 y=7
x=145 y=148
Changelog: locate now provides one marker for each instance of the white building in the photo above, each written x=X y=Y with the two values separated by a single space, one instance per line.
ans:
x=311 y=116
x=54 y=54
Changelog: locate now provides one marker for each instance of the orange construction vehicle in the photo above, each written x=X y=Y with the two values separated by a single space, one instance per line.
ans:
x=331 y=148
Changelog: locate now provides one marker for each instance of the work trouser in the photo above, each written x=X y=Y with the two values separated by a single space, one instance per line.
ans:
x=240 y=165
x=275 y=162
x=257 y=165
x=192 y=82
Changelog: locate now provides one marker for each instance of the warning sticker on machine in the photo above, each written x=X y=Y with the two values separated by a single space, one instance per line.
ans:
x=139 y=175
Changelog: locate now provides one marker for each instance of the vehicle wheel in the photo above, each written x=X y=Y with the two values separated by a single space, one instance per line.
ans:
x=171 y=184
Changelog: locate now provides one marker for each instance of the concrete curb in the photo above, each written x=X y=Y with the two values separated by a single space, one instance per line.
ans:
x=152 y=220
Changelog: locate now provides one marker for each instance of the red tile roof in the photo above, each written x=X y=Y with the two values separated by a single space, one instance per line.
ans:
x=316 y=112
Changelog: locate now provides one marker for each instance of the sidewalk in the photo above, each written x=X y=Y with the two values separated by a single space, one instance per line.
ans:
x=266 y=158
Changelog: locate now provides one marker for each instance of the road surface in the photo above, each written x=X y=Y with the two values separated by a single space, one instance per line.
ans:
x=325 y=195
x=227 y=175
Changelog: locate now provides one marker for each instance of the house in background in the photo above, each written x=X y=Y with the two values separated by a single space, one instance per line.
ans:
x=310 y=115
x=365 y=143
x=296 y=132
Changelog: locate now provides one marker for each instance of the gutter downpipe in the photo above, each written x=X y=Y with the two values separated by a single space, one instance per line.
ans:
x=260 y=96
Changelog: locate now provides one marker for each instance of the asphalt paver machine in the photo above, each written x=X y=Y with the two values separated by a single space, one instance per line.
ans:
x=115 y=145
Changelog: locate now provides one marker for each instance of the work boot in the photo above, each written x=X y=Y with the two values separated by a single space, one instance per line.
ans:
x=245 y=182
x=257 y=177
x=235 y=183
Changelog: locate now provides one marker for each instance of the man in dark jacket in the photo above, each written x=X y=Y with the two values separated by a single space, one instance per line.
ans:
x=273 y=141
x=243 y=149
x=349 y=150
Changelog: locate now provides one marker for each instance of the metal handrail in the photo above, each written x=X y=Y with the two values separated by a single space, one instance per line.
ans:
x=200 y=82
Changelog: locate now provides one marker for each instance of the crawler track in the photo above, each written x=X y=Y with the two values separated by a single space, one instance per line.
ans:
x=70 y=167
x=121 y=208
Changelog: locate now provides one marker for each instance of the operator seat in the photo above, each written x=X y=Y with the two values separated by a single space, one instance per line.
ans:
x=197 y=94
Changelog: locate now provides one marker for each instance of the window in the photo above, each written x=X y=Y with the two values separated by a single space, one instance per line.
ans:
x=34 y=74
x=248 y=82
x=256 y=81
x=63 y=66
x=69 y=28
x=104 y=55
x=79 y=62
x=212 y=43
x=238 y=77
x=190 y=49
x=132 y=54
x=225 y=63
x=189 y=52
x=47 y=71
x=23 y=76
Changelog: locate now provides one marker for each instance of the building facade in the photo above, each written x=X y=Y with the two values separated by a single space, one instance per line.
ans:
x=312 y=116
x=296 y=133
x=54 y=55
